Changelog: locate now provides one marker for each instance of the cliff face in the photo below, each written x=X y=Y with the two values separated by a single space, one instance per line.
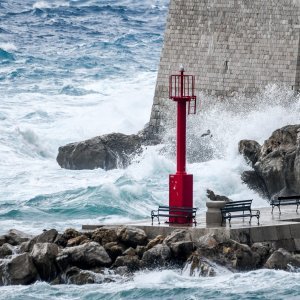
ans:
x=231 y=46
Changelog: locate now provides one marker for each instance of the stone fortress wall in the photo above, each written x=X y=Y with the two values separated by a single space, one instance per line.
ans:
x=232 y=46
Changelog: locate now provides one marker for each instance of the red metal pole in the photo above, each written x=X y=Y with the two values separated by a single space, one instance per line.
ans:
x=181 y=129
x=181 y=183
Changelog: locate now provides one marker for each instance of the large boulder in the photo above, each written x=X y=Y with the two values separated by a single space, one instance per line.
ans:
x=77 y=276
x=6 y=250
x=19 y=270
x=44 y=256
x=114 y=249
x=178 y=235
x=276 y=163
x=105 y=235
x=16 y=237
x=132 y=262
x=86 y=256
x=157 y=256
x=48 y=236
x=69 y=233
x=182 y=250
x=157 y=240
x=207 y=241
x=245 y=258
x=108 y=152
x=132 y=236
x=282 y=259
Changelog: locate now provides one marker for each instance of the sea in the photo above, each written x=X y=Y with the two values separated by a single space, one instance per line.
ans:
x=74 y=69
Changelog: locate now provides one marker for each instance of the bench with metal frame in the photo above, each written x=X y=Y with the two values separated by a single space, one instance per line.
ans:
x=189 y=213
x=239 y=209
x=285 y=200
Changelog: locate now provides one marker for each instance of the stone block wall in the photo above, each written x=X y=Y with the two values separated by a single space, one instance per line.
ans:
x=232 y=46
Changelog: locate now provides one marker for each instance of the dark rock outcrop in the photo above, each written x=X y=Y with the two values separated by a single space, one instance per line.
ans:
x=108 y=152
x=276 y=163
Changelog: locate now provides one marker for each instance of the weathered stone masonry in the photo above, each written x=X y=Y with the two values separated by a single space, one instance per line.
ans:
x=231 y=46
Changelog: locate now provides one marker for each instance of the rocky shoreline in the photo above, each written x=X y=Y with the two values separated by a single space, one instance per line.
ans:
x=98 y=256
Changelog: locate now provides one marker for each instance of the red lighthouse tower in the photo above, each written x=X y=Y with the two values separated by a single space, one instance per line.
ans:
x=182 y=91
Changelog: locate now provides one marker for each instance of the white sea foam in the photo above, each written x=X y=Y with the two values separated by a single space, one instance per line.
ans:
x=32 y=133
x=48 y=4
x=8 y=46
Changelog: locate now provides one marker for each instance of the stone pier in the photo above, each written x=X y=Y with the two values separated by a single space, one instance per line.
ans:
x=283 y=230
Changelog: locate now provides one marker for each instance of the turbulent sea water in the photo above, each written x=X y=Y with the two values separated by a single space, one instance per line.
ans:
x=74 y=69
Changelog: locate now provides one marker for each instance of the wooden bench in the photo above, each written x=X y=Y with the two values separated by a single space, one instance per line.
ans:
x=239 y=209
x=285 y=200
x=189 y=213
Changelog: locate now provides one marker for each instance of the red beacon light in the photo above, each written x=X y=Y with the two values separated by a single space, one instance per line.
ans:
x=182 y=91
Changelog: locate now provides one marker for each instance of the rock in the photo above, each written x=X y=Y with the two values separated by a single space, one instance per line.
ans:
x=132 y=262
x=130 y=251
x=16 y=237
x=5 y=250
x=207 y=242
x=140 y=250
x=213 y=197
x=132 y=236
x=245 y=259
x=104 y=235
x=19 y=270
x=157 y=240
x=24 y=247
x=157 y=256
x=250 y=150
x=281 y=259
x=79 y=240
x=199 y=266
x=114 y=249
x=108 y=152
x=178 y=235
x=122 y=271
x=62 y=239
x=2 y=239
x=48 y=236
x=277 y=167
x=77 y=276
x=44 y=256
x=263 y=250
x=182 y=250
x=89 y=255
x=255 y=182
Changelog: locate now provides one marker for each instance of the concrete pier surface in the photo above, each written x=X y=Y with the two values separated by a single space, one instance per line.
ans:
x=282 y=229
